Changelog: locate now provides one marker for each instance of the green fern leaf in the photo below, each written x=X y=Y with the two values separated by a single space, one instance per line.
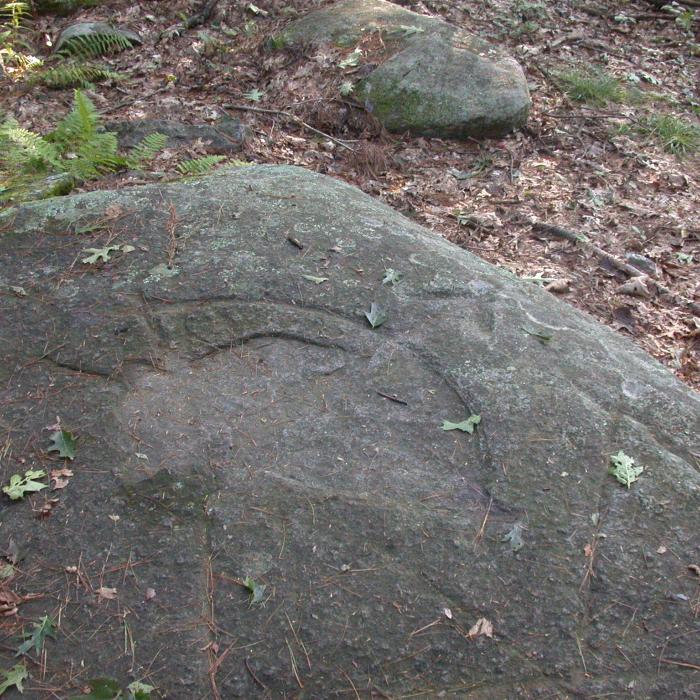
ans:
x=199 y=166
x=23 y=149
x=79 y=125
x=92 y=45
x=73 y=75
x=146 y=150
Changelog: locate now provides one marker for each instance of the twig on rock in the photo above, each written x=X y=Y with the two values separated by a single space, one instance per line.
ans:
x=584 y=242
x=291 y=116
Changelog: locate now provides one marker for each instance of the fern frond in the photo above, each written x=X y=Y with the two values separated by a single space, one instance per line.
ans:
x=146 y=150
x=79 y=125
x=199 y=166
x=73 y=75
x=97 y=44
x=14 y=14
x=23 y=149
x=95 y=157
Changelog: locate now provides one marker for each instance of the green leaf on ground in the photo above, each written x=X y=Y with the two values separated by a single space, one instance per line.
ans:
x=352 y=60
x=257 y=10
x=391 y=276
x=140 y=691
x=543 y=337
x=466 y=426
x=254 y=95
x=376 y=315
x=46 y=627
x=63 y=442
x=346 y=88
x=15 y=676
x=20 y=486
x=97 y=254
x=102 y=254
x=255 y=589
x=315 y=280
x=102 y=689
x=515 y=537
x=622 y=467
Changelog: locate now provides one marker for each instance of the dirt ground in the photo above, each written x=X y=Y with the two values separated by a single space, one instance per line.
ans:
x=585 y=169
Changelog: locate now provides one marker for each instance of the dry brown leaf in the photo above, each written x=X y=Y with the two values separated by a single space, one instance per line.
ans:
x=8 y=602
x=107 y=593
x=46 y=508
x=561 y=286
x=60 y=478
x=694 y=568
x=481 y=627
x=635 y=287
x=588 y=550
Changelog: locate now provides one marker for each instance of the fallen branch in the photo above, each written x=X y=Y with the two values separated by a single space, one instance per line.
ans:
x=632 y=271
x=294 y=118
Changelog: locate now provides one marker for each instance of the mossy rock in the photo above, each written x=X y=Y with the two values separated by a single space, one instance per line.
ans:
x=238 y=421
x=435 y=79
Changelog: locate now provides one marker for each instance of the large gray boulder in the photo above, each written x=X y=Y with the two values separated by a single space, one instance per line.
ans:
x=432 y=78
x=237 y=416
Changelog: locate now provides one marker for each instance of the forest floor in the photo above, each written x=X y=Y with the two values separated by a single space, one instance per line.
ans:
x=598 y=168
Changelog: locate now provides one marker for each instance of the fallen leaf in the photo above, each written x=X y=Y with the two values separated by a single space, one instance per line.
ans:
x=19 y=486
x=481 y=627
x=466 y=426
x=46 y=508
x=98 y=254
x=315 y=280
x=376 y=315
x=542 y=336
x=515 y=537
x=60 y=478
x=624 y=318
x=391 y=276
x=635 y=287
x=623 y=469
x=561 y=286
x=255 y=589
x=694 y=568
x=352 y=59
x=8 y=602
x=46 y=627
x=448 y=613
x=661 y=550
x=588 y=550
x=150 y=594
x=107 y=593
x=15 y=676
x=63 y=442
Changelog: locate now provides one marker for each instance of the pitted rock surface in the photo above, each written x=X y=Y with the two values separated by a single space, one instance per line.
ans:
x=430 y=78
x=236 y=419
